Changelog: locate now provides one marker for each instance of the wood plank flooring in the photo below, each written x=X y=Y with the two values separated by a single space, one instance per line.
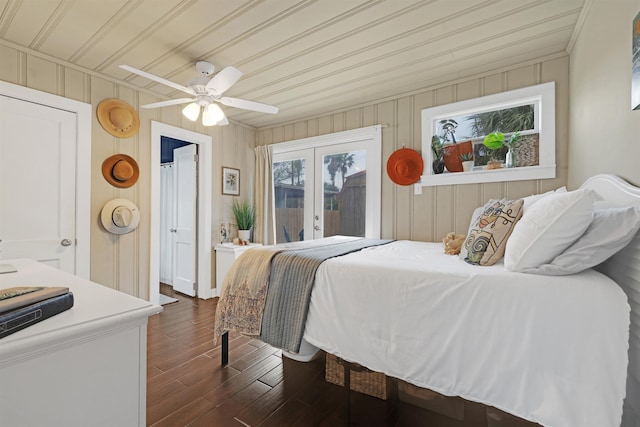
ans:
x=186 y=386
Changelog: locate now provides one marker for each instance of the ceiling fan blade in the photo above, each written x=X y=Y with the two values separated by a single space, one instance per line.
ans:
x=158 y=79
x=167 y=103
x=224 y=79
x=249 y=105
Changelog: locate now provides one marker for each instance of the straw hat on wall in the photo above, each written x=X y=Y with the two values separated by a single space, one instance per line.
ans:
x=120 y=170
x=120 y=216
x=118 y=118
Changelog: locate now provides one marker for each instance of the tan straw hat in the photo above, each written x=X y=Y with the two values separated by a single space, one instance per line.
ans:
x=118 y=118
x=120 y=170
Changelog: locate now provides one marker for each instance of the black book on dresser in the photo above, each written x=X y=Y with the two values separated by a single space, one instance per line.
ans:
x=19 y=318
x=21 y=296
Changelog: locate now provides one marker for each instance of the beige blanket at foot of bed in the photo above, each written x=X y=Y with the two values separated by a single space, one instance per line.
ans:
x=241 y=305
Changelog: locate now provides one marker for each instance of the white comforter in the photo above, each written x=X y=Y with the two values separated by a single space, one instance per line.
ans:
x=548 y=349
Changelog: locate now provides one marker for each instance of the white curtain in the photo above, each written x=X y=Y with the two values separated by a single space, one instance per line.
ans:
x=166 y=222
x=264 y=227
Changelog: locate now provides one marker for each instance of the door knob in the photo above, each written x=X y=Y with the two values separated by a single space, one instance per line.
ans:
x=172 y=230
x=316 y=227
x=65 y=242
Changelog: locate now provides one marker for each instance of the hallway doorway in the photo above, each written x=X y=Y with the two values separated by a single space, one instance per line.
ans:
x=203 y=215
x=178 y=207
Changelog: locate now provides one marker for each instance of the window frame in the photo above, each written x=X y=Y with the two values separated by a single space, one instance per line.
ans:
x=543 y=98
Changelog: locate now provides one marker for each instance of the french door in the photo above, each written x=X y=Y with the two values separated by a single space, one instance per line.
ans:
x=328 y=185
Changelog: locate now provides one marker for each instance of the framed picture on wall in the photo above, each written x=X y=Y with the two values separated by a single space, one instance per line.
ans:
x=230 y=181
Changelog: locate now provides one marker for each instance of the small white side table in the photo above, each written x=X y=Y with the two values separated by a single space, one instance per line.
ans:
x=226 y=254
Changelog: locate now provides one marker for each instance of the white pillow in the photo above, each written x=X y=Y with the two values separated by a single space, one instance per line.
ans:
x=530 y=200
x=610 y=231
x=547 y=228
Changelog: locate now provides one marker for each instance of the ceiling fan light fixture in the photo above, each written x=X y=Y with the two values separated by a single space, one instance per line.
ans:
x=206 y=92
x=212 y=115
x=192 y=111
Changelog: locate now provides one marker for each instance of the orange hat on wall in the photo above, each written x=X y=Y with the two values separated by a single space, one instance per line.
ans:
x=405 y=166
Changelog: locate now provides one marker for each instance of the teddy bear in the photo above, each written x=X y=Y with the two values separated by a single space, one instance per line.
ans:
x=453 y=242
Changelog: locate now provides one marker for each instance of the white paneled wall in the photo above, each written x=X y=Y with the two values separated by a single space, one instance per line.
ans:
x=122 y=262
x=439 y=210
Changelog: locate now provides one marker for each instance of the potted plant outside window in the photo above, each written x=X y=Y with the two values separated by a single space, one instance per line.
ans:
x=467 y=161
x=438 y=152
x=496 y=140
x=245 y=216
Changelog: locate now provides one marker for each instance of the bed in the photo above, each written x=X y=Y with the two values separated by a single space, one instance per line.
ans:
x=559 y=350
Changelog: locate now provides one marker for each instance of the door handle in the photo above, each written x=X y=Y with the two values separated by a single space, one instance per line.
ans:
x=316 y=227
x=65 y=242
x=172 y=230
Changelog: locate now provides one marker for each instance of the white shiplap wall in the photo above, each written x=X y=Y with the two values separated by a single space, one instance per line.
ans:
x=122 y=262
x=439 y=210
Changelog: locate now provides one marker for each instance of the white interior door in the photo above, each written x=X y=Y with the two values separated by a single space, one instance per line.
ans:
x=37 y=183
x=166 y=223
x=184 y=243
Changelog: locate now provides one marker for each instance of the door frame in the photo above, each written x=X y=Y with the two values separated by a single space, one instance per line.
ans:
x=203 y=259
x=83 y=112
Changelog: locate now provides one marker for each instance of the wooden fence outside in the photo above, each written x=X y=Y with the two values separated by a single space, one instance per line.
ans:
x=293 y=219
x=348 y=220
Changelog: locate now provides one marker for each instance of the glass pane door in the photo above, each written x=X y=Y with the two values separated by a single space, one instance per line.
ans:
x=344 y=184
x=293 y=194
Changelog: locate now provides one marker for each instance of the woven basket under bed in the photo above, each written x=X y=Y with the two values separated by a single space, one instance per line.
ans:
x=374 y=384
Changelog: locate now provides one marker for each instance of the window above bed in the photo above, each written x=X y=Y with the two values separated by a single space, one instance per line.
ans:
x=454 y=133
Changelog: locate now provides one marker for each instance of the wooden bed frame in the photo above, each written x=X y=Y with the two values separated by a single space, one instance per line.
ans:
x=624 y=268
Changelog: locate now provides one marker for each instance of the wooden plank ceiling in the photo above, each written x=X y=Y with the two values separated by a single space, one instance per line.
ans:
x=308 y=57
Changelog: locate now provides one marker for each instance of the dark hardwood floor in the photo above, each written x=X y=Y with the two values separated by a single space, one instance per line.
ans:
x=186 y=386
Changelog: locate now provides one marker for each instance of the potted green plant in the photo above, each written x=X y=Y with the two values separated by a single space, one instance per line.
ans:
x=245 y=216
x=496 y=140
x=467 y=161
x=438 y=151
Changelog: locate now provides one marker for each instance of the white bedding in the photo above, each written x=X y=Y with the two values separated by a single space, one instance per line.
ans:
x=548 y=349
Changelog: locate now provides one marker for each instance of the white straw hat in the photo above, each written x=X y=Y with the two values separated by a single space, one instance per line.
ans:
x=120 y=216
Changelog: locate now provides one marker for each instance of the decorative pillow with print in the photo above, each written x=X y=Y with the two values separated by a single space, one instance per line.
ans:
x=489 y=231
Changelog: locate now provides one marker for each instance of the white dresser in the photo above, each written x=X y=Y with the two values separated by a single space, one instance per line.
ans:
x=226 y=253
x=85 y=366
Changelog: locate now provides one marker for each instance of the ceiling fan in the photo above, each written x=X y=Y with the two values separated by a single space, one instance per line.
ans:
x=206 y=92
